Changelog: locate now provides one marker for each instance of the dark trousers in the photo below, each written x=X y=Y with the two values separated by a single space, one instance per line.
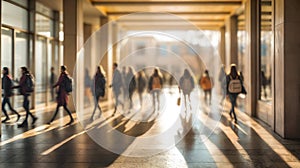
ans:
x=26 y=107
x=96 y=99
x=233 y=98
x=7 y=101
x=57 y=109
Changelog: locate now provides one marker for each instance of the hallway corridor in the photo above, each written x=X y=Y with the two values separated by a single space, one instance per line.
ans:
x=249 y=143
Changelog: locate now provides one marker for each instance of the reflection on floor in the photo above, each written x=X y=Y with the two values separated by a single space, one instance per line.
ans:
x=249 y=143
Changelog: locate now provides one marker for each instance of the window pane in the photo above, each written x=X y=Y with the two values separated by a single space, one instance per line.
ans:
x=21 y=59
x=23 y=3
x=41 y=71
x=44 y=25
x=6 y=48
x=15 y=16
x=266 y=50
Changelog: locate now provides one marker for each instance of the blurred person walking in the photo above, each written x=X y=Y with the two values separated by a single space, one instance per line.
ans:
x=26 y=87
x=155 y=86
x=206 y=84
x=117 y=85
x=52 y=82
x=131 y=82
x=98 y=89
x=234 y=85
x=7 y=85
x=64 y=85
x=141 y=85
x=186 y=84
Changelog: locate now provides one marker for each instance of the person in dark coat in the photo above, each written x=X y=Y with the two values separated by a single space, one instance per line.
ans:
x=187 y=84
x=233 y=96
x=98 y=89
x=117 y=84
x=23 y=91
x=62 y=94
x=141 y=85
x=7 y=85
x=131 y=82
x=222 y=80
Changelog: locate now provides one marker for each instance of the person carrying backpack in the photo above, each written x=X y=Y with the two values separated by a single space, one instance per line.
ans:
x=234 y=88
x=26 y=87
x=206 y=84
x=64 y=84
x=155 y=86
x=7 y=85
x=98 y=89
x=186 y=84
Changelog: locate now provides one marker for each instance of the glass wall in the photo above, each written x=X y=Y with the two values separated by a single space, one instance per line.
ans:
x=241 y=42
x=266 y=50
x=20 y=60
x=41 y=70
x=19 y=48
x=6 y=50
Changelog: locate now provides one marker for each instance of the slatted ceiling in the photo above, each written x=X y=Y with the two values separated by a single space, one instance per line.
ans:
x=209 y=14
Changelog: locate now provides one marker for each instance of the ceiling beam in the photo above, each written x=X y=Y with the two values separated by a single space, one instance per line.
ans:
x=170 y=20
x=176 y=13
x=146 y=3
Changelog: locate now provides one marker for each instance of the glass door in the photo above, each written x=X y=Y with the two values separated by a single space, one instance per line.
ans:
x=41 y=71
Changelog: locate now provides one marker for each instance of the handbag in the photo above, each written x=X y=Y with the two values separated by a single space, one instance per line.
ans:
x=178 y=101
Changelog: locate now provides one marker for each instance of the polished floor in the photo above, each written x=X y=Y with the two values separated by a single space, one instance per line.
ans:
x=249 y=143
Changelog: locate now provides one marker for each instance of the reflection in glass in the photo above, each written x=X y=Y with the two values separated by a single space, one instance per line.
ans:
x=15 y=16
x=241 y=42
x=266 y=50
x=6 y=49
x=21 y=59
x=44 y=25
x=41 y=71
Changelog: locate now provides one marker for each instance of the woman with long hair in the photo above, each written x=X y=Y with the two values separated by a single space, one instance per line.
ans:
x=234 y=88
x=155 y=86
x=98 y=89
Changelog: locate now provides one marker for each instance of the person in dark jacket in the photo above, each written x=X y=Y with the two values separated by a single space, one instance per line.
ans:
x=131 y=82
x=23 y=88
x=186 y=84
x=117 y=84
x=98 y=89
x=155 y=86
x=141 y=85
x=7 y=93
x=62 y=94
x=233 y=75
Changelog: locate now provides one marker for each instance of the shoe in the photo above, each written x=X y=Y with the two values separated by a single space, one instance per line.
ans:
x=18 y=117
x=6 y=119
x=48 y=123
x=34 y=120
x=23 y=124
x=235 y=121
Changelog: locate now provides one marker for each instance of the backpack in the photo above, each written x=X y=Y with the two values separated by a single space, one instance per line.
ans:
x=68 y=84
x=205 y=83
x=156 y=83
x=235 y=85
x=29 y=83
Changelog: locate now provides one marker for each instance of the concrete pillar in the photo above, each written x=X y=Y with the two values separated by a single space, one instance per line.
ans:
x=287 y=79
x=231 y=41
x=222 y=44
x=73 y=40
x=251 y=57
